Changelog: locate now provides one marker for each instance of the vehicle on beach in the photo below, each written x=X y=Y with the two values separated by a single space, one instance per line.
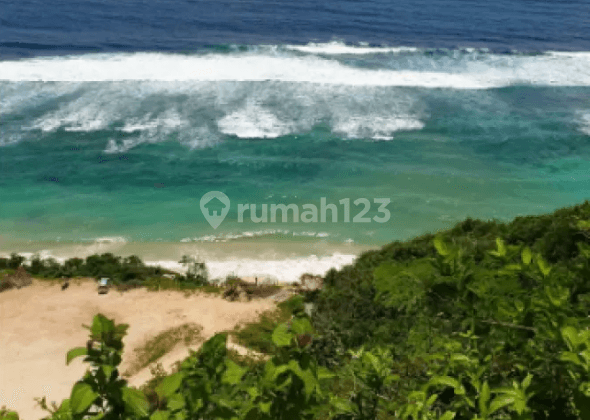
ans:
x=103 y=286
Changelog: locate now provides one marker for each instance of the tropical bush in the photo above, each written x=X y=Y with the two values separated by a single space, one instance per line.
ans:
x=118 y=269
x=486 y=321
x=480 y=322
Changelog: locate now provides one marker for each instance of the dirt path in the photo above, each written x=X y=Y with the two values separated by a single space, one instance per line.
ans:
x=40 y=323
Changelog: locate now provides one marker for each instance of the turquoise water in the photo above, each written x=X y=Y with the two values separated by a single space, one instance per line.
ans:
x=120 y=147
x=116 y=119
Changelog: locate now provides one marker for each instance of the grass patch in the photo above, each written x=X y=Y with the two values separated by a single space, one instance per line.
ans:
x=155 y=284
x=263 y=291
x=257 y=335
x=156 y=347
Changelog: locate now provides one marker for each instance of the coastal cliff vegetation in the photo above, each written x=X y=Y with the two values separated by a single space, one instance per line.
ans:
x=485 y=321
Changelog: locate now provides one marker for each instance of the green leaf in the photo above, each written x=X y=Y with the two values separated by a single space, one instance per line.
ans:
x=169 y=385
x=526 y=255
x=568 y=356
x=136 y=401
x=527 y=381
x=265 y=406
x=309 y=381
x=543 y=266
x=107 y=370
x=301 y=326
x=372 y=360
x=281 y=336
x=175 y=402
x=570 y=336
x=64 y=407
x=233 y=374
x=101 y=325
x=254 y=392
x=501 y=247
x=445 y=380
x=342 y=405
x=272 y=372
x=500 y=402
x=214 y=349
x=557 y=295
x=160 y=415
x=75 y=352
x=441 y=247
x=512 y=267
x=457 y=357
x=10 y=415
x=82 y=397
x=449 y=415
x=484 y=397
x=324 y=373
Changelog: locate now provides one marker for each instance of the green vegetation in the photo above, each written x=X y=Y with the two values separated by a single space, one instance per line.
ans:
x=486 y=321
x=477 y=318
x=13 y=262
x=125 y=273
x=118 y=269
x=257 y=335
x=163 y=343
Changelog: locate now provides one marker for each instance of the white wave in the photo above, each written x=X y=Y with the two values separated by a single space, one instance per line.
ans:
x=125 y=145
x=336 y=48
x=111 y=240
x=192 y=138
x=375 y=127
x=283 y=270
x=85 y=119
x=169 y=120
x=468 y=71
x=16 y=96
x=224 y=237
x=216 y=68
x=198 y=99
x=253 y=122
x=584 y=55
x=94 y=110
x=584 y=121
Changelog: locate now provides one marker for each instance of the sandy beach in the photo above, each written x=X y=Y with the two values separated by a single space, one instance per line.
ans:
x=40 y=323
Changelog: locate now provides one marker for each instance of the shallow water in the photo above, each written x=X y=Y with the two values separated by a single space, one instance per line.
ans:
x=114 y=122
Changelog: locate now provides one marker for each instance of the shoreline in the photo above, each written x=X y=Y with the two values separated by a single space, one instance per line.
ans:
x=280 y=260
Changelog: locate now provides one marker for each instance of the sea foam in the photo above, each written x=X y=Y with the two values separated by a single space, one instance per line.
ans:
x=479 y=71
x=267 y=92
x=281 y=270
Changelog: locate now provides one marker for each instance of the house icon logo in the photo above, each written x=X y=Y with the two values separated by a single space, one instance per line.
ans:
x=215 y=206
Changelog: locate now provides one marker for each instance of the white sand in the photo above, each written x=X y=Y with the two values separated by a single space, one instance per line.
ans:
x=40 y=323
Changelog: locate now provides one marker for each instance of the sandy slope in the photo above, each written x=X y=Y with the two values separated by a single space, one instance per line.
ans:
x=40 y=323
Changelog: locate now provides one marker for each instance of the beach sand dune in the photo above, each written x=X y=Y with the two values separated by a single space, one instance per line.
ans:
x=40 y=323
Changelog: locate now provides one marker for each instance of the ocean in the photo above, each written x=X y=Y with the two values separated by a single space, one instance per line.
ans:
x=406 y=117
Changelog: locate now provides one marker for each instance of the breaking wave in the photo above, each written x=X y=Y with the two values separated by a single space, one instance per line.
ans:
x=359 y=92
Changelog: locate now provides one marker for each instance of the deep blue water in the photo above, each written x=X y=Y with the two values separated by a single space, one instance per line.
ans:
x=116 y=117
x=51 y=27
